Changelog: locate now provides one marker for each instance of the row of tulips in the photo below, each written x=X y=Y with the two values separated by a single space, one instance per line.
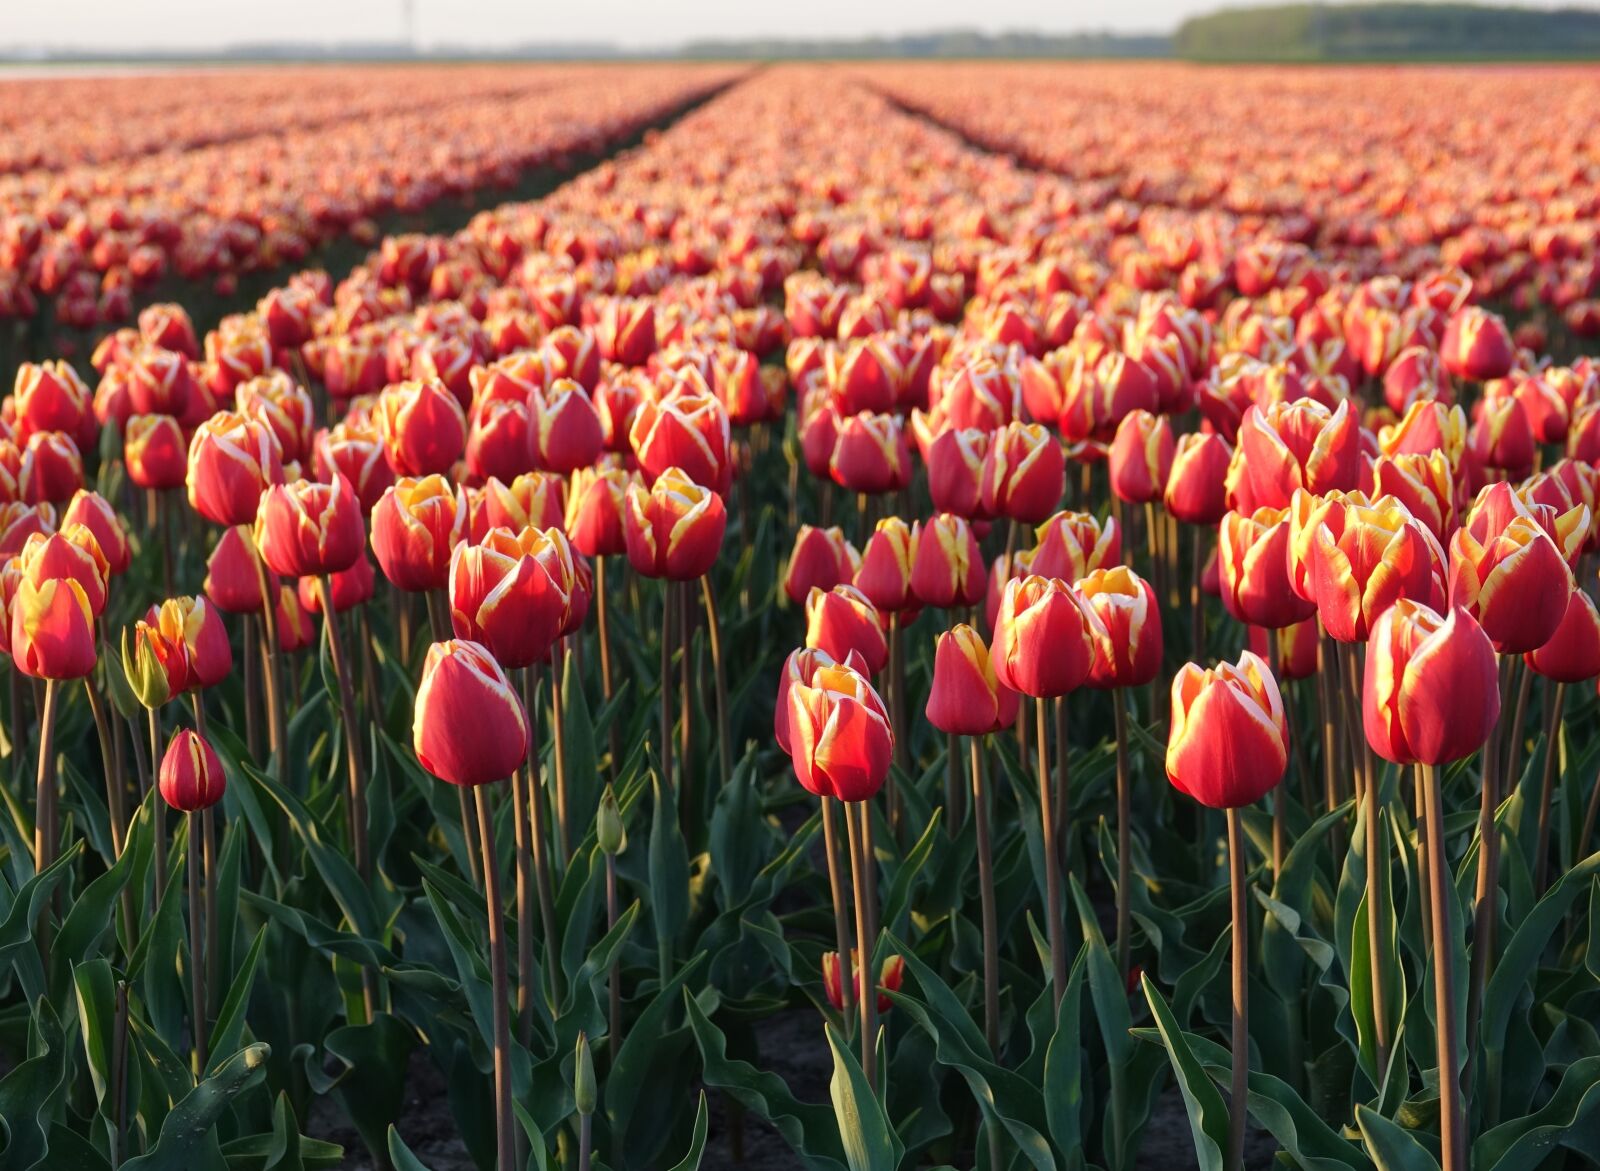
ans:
x=589 y=388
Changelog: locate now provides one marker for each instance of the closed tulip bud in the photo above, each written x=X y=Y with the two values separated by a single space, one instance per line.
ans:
x=1141 y=458
x=585 y=1091
x=536 y=500
x=890 y=977
x=512 y=593
x=1253 y=558
x=948 y=568
x=1572 y=655
x=70 y=553
x=570 y=354
x=1416 y=373
x=52 y=629
x=192 y=777
x=1196 y=492
x=956 y=460
x=1299 y=444
x=673 y=528
x=1501 y=437
x=841 y=620
x=1046 y=637
x=158 y=382
x=232 y=460
x=617 y=403
x=1024 y=473
x=468 y=727
x=566 y=428
x=688 y=431
x=1364 y=558
x=839 y=735
x=154 y=452
x=1477 y=345
x=1130 y=654
x=278 y=403
x=595 y=504
x=168 y=326
x=415 y=526
x=870 y=454
x=422 y=426
x=500 y=440
x=1509 y=567
x=821 y=559
x=196 y=628
x=93 y=512
x=626 y=331
x=351 y=588
x=1583 y=436
x=356 y=456
x=49 y=396
x=610 y=831
x=819 y=431
x=305 y=529
x=884 y=574
x=1431 y=692
x=1072 y=545
x=966 y=698
x=233 y=581
x=19 y=521
x=1298 y=648
x=52 y=468
x=1229 y=744
x=155 y=664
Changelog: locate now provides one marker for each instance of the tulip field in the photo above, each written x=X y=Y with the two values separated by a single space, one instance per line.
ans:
x=855 y=617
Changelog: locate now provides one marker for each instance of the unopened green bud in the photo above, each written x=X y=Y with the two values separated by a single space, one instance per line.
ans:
x=584 y=1091
x=609 y=829
x=142 y=667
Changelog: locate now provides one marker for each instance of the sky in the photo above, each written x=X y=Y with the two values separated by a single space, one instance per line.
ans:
x=193 y=24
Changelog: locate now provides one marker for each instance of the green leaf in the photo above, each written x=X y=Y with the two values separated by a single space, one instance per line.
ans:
x=400 y=1154
x=697 y=1141
x=1391 y=1147
x=30 y=1093
x=97 y=1000
x=1063 y=1068
x=1525 y=1142
x=669 y=866
x=869 y=1142
x=229 y=1028
x=1208 y=1113
x=187 y=1130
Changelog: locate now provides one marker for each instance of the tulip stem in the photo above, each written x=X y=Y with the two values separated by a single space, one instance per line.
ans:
x=1197 y=597
x=110 y=758
x=603 y=623
x=157 y=807
x=869 y=983
x=897 y=709
x=1052 y=855
x=1452 y=1133
x=194 y=879
x=505 y=1122
x=953 y=801
x=277 y=736
x=1240 y=946
x=252 y=689
x=841 y=914
x=1119 y=706
x=1486 y=909
x=539 y=835
x=1590 y=814
x=668 y=597
x=525 y=898
x=720 y=677
x=1555 y=700
x=1518 y=721
x=558 y=754
x=991 y=936
x=1377 y=864
x=45 y=831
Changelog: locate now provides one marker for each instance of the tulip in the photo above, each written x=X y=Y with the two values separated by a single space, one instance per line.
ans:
x=285 y=407
x=500 y=441
x=890 y=976
x=947 y=569
x=870 y=454
x=565 y=426
x=822 y=559
x=295 y=630
x=422 y=426
x=533 y=500
x=232 y=461
x=158 y=382
x=1477 y=345
x=1509 y=567
x=93 y=512
x=1229 y=744
x=192 y=777
x=1427 y=427
x=1431 y=690
x=595 y=505
x=469 y=727
x=1195 y=492
x=688 y=432
x=842 y=620
x=196 y=630
x=966 y=698
x=1253 y=559
x=52 y=629
x=674 y=528
x=819 y=431
x=350 y=588
x=839 y=735
x=358 y=457
x=1502 y=437
x=512 y=593
x=885 y=572
x=52 y=468
x=1142 y=456
x=626 y=331
x=233 y=582
x=801 y=665
x=1297 y=650
x=1046 y=637
x=1423 y=483
x=1299 y=444
x=154 y=452
x=1124 y=603
x=1364 y=558
x=49 y=396
x=305 y=529
x=1572 y=654
x=955 y=461
x=416 y=525
x=71 y=553
x=1072 y=545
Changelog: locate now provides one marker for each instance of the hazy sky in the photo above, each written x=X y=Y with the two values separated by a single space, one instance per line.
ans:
x=103 y=24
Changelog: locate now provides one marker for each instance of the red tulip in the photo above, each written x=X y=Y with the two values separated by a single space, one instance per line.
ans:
x=688 y=431
x=870 y=454
x=357 y=455
x=1142 y=456
x=1299 y=444
x=295 y=631
x=1229 y=744
x=277 y=402
x=49 y=396
x=966 y=698
x=159 y=382
x=52 y=629
x=890 y=976
x=1431 y=692
x=154 y=452
x=1195 y=491
x=821 y=559
x=841 y=620
x=351 y=588
x=955 y=462
x=513 y=592
x=469 y=727
x=1427 y=427
x=1130 y=655
x=533 y=500
x=674 y=528
x=1297 y=648
x=232 y=460
x=1501 y=437
x=52 y=468
x=500 y=440
x=422 y=426
x=1363 y=558
x=91 y=510
x=1253 y=557
x=1477 y=345
x=948 y=568
x=626 y=331
x=415 y=526
x=566 y=428
x=839 y=735
x=884 y=574
x=192 y=777
x=1573 y=653
x=306 y=529
x=1046 y=637
x=233 y=580
x=801 y=665
x=196 y=629
x=70 y=553
x=1024 y=473
x=1509 y=567
x=595 y=505
x=19 y=521
x=1424 y=483
x=1072 y=545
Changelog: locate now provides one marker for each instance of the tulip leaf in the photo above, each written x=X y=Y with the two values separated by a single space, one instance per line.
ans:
x=229 y=1029
x=869 y=1141
x=17 y=943
x=1063 y=1068
x=649 y=1050
x=1523 y=1142
x=95 y=986
x=34 y=1090
x=1208 y=1113
x=1391 y=1147
x=669 y=868
x=188 y=1133
x=697 y=1141
x=400 y=1154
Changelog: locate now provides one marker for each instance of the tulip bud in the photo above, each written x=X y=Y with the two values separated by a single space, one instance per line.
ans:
x=565 y=426
x=233 y=579
x=822 y=559
x=350 y=588
x=1573 y=653
x=500 y=440
x=93 y=512
x=585 y=1093
x=595 y=506
x=196 y=628
x=610 y=831
x=513 y=593
x=1195 y=492
x=1427 y=427
x=52 y=468
x=71 y=553
x=1130 y=655
x=416 y=525
x=948 y=568
x=1253 y=557
x=358 y=457
x=1424 y=483
x=155 y=666
x=673 y=528
x=841 y=620
x=890 y=977
x=1509 y=567
x=19 y=521
x=52 y=629
x=469 y=727
x=1142 y=456
x=295 y=631
x=955 y=462
x=282 y=405
x=1298 y=648
x=423 y=428
x=232 y=460
x=1432 y=691
x=884 y=574
x=870 y=454
x=839 y=735
x=1501 y=436
x=966 y=698
x=1046 y=637
x=305 y=529
x=1229 y=743
x=192 y=777
x=1477 y=345
x=154 y=452
x=49 y=396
